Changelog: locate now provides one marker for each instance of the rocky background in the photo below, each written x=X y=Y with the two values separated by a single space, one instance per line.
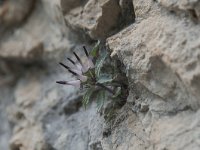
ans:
x=158 y=41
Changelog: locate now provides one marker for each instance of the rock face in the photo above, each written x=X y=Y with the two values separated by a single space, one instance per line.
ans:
x=96 y=18
x=41 y=33
x=158 y=41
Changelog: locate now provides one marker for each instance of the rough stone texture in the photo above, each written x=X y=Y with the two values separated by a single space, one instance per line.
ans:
x=99 y=21
x=157 y=41
x=163 y=67
x=41 y=33
x=191 y=7
x=6 y=99
x=97 y=18
x=8 y=15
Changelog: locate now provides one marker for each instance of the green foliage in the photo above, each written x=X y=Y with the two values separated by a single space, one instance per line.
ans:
x=118 y=92
x=105 y=78
x=101 y=80
x=99 y=64
x=95 y=50
x=87 y=96
x=101 y=97
x=105 y=81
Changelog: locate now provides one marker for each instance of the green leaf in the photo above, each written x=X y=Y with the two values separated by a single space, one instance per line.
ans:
x=94 y=51
x=90 y=73
x=117 y=92
x=101 y=96
x=105 y=78
x=115 y=68
x=110 y=115
x=87 y=96
x=99 y=64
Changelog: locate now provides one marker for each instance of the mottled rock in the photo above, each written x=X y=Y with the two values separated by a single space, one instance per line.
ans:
x=8 y=9
x=162 y=62
x=6 y=99
x=28 y=138
x=28 y=93
x=42 y=35
x=191 y=7
x=97 y=22
x=33 y=99
x=98 y=19
x=68 y=5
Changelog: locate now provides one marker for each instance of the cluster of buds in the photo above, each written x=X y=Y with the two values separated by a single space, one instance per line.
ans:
x=78 y=69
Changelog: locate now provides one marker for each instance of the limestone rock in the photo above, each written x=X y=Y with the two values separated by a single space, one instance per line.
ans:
x=23 y=141
x=8 y=9
x=42 y=32
x=98 y=19
x=97 y=22
x=191 y=7
x=162 y=61
x=6 y=99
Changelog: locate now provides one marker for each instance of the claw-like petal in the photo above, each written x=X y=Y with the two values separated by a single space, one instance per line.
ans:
x=75 y=83
x=83 y=66
x=71 y=70
x=90 y=63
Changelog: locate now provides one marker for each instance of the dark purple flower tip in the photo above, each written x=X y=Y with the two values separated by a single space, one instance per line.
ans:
x=75 y=83
x=64 y=65
x=61 y=82
x=86 y=52
x=79 y=60
x=71 y=61
x=72 y=72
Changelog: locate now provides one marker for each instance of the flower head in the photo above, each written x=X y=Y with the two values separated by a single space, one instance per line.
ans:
x=78 y=70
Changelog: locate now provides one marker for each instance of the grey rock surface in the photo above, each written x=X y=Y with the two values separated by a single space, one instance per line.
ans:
x=158 y=41
x=42 y=34
x=98 y=19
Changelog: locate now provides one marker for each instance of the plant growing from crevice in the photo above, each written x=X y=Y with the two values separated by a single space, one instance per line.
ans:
x=100 y=77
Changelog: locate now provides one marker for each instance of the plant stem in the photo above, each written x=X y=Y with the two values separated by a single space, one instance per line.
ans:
x=109 y=90
x=106 y=88
x=91 y=74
